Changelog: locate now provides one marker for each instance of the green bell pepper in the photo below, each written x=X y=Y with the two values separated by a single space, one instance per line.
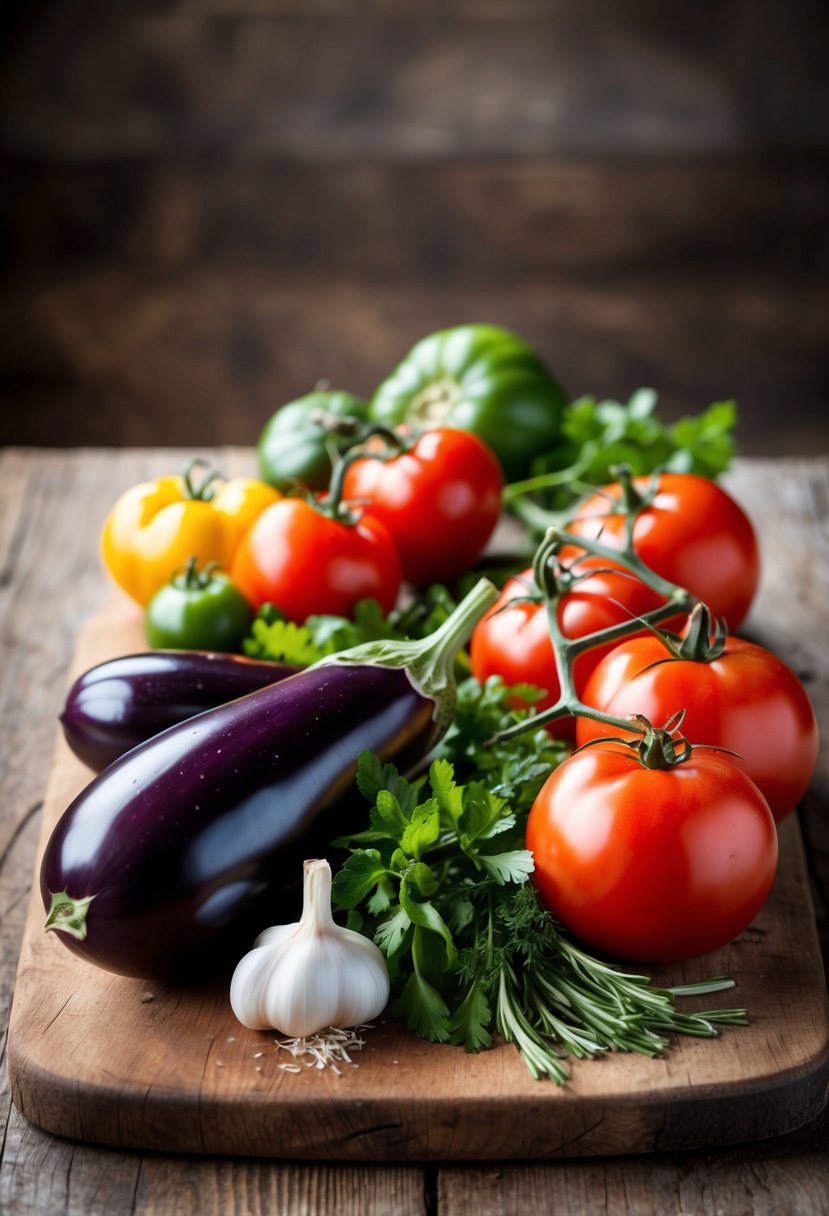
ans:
x=478 y=378
x=293 y=446
x=198 y=610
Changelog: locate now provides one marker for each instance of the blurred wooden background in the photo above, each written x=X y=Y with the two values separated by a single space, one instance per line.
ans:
x=208 y=206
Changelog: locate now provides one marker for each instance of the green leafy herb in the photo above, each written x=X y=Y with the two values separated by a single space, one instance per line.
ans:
x=272 y=637
x=598 y=435
x=439 y=880
x=514 y=769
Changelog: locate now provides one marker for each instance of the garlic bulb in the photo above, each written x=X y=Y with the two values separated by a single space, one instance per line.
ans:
x=303 y=977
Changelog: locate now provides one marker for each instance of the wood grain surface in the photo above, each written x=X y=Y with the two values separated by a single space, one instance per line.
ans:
x=51 y=585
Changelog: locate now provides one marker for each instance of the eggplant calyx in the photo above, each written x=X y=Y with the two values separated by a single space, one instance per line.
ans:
x=429 y=661
x=68 y=914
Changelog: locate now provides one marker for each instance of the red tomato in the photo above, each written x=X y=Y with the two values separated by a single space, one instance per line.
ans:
x=304 y=562
x=747 y=700
x=652 y=864
x=440 y=500
x=692 y=533
x=512 y=640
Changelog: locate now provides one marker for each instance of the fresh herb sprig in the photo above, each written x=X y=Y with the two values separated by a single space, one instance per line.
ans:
x=275 y=638
x=596 y=436
x=439 y=880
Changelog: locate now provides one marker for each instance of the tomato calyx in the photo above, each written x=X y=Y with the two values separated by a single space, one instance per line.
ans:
x=355 y=443
x=358 y=433
x=704 y=638
x=193 y=579
x=656 y=748
x=702 y=641
x=205 y=489
x=659 y=747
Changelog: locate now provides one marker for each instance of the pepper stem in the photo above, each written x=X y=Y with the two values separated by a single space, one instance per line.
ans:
x=204 y=491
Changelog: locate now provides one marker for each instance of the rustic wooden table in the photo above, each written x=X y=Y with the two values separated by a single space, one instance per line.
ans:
x=51 y=505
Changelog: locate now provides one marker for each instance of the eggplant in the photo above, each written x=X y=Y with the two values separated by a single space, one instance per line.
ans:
x=116 y=705
x=174 y=858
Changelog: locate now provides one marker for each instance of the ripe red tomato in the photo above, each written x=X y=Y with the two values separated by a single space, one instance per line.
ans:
x=513 y=641
x=692 y=533
x=652 y=864
x=440 y=500
x=747 y=700
x=304 y=562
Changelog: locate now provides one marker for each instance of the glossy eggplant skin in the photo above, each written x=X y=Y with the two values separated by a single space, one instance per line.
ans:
x=118 y=704
x=193 y=842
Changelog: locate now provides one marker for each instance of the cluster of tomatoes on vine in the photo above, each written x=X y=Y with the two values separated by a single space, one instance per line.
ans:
x=656 y=839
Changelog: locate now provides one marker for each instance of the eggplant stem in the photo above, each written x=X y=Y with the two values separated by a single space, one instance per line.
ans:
x=68 y=914
x=428 y=661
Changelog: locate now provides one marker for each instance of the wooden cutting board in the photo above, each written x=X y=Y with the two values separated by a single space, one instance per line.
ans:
x=100 y=1058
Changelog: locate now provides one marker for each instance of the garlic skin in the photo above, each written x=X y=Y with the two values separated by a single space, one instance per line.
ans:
x=300 y=978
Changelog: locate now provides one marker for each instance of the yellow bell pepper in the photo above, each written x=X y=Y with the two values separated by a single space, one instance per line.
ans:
x=242 y=500
x=157 y=526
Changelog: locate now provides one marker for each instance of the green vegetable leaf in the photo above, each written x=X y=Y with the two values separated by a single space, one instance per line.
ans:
x=420 y=878
x=423 y=1010
x=484 y=815
x=705 y=444
x=470 y=1020
x=598 y=435
x=514 y=866
x=382 y=898
x=447 y=795
x=272 y=637
x=281 y=641
x=356 y=878
x=425 y=915
x=388 y=815
x=390 y=934
x=373 y=777
x=422 y=830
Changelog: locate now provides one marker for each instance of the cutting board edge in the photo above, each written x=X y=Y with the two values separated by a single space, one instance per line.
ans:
x=387 y=1131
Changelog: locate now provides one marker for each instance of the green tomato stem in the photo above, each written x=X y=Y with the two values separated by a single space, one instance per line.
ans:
x=343 y=459
x=566 y=650
x=193 y=579
x=549 y=481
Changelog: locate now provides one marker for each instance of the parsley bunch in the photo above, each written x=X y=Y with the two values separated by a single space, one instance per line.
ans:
x=439 y=880
x=597 y=436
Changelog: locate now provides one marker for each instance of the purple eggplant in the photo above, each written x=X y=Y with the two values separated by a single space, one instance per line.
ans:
x=115 y=706
x=173 y=859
